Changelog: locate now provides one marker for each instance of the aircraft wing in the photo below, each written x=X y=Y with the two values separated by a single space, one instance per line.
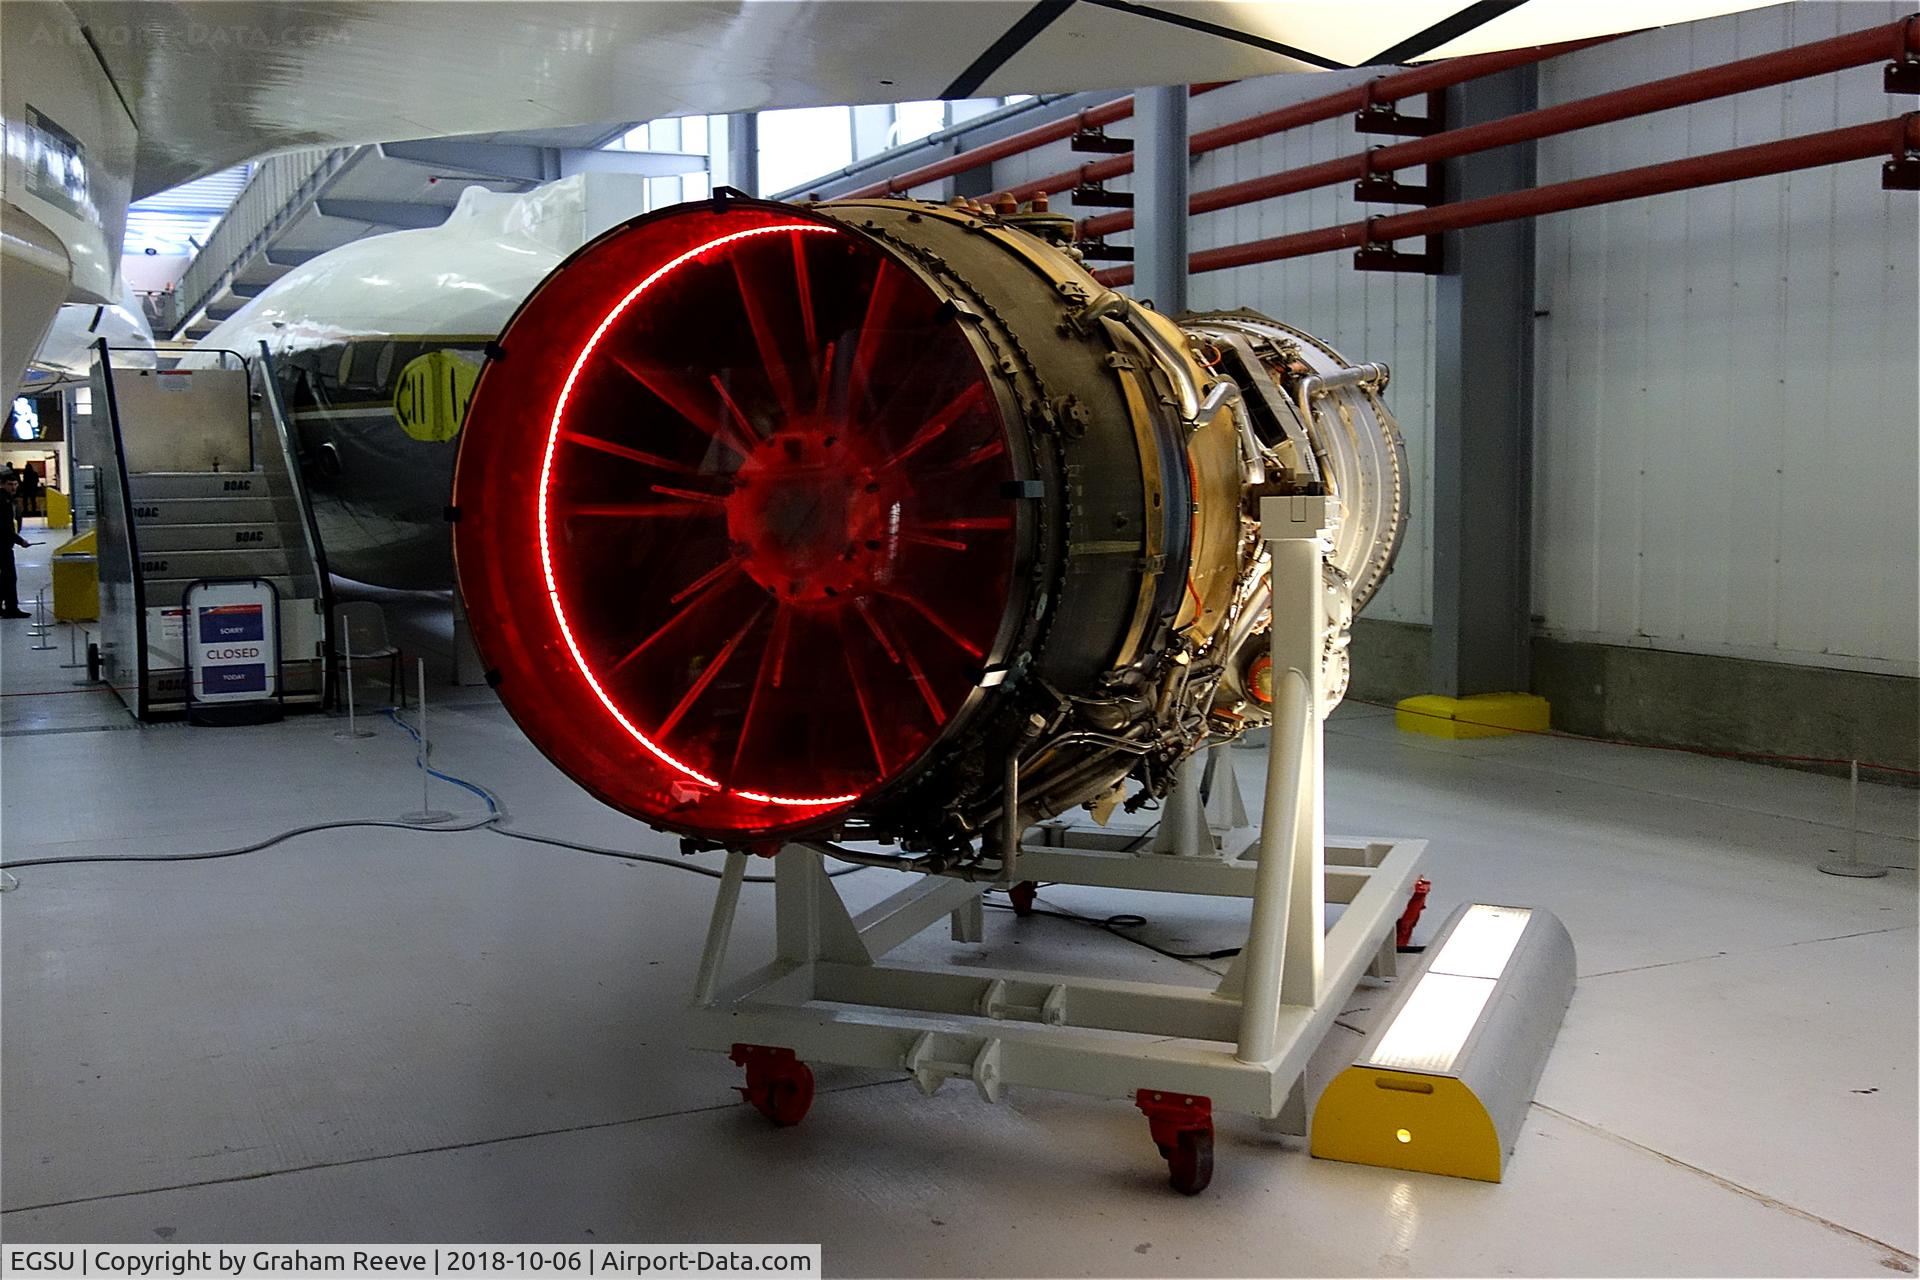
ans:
x=212 y=84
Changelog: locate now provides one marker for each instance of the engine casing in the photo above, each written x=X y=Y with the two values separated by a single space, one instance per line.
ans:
x=780 y=522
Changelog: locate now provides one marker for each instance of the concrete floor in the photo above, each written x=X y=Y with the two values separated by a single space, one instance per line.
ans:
x=383 y=1035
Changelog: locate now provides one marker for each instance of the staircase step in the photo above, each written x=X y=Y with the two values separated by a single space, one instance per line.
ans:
x=254 y=562
x=201 y=484
x=171 y=592
x=240 y=510
x=207 y=537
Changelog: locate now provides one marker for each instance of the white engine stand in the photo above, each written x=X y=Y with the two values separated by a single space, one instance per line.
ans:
x=1177 y=1051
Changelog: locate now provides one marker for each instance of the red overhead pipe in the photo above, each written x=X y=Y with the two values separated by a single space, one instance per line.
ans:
x=1084 y=176
x=1895 y=136
x=1388 y=88
x=1894 y=39
x=1012 y=145
x=1305 y=178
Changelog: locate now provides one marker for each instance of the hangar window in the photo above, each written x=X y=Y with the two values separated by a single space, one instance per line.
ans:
x=807 y=145
x=803 y=143
x=913 y=121
x=179 y=220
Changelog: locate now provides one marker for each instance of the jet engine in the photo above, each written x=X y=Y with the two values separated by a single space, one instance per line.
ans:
x=883 y=520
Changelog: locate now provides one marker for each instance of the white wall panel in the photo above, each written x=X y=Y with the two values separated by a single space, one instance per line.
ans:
x=1726 y=453
x=1726 y=405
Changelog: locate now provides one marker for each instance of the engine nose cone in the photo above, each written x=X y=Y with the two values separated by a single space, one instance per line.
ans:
x=816 y=518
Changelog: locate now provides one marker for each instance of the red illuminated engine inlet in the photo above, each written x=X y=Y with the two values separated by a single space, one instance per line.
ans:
x=734 y=530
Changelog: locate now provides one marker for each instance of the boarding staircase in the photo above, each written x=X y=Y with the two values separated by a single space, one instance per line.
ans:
x=242 y=513
x=213 y=524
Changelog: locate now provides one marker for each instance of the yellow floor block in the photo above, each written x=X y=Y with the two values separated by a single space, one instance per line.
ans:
x=1479 y=715
x=76 y=579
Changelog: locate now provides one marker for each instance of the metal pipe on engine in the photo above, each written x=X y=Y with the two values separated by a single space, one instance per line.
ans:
x=1373 y=375
x=1010 y=825
x=1226 y=395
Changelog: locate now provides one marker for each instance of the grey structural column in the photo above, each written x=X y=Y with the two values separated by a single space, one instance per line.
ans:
x=976 y=182
x=743 y=152
x=1483 y=415
x=1160 y=197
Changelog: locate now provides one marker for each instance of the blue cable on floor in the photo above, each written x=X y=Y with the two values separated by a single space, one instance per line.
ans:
x=493 y=806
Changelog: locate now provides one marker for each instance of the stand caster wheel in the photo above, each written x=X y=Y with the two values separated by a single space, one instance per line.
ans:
x=779 y=1085
x=1182 y=1127
x=1190 y=1162
x=1022 y=896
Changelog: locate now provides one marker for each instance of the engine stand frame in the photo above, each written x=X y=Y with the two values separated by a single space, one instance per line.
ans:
x=828 y=994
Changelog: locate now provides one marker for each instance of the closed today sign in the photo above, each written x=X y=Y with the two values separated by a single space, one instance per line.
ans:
x=233 y=640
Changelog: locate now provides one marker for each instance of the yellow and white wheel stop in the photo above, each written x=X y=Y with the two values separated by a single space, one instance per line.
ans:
x=1444 y=1082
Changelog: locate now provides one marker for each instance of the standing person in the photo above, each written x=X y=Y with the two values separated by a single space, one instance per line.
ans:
x=30 y=490
x=9 y=580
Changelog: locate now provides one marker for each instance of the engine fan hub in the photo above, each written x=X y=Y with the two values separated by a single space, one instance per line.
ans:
x=815 y=517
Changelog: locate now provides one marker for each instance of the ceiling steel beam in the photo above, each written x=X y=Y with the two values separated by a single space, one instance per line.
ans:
x=523 y=162
x=292 y=257
x=384 y=213
x=646 y=164
x=508 y=161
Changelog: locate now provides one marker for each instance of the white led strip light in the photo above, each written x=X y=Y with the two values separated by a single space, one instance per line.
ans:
x=1433 y=1025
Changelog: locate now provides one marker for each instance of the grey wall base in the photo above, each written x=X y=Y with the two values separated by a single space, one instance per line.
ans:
x=1681 y=699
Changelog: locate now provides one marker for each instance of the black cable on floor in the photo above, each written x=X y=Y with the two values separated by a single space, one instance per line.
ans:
x=1114 y=925
x=1127 y=920
x=494 y=815
x=488 y=822
x=654 y=858
x=257 y=846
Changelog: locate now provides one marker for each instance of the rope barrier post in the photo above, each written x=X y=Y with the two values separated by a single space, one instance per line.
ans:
x=41 y=628
x=426 y=815
x=74 y=661
x=353 y=730
x=1851 y=866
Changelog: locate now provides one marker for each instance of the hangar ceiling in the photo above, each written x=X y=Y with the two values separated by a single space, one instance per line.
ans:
x=298 y=206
